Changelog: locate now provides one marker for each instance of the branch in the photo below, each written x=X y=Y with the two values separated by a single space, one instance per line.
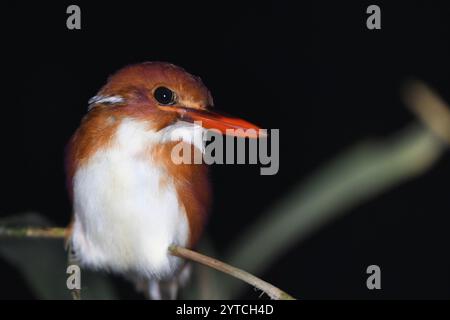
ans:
x=59 y=233
x=32 y=232
x=272 y=291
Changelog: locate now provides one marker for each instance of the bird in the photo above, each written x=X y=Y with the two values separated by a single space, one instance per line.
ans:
x=130 y=201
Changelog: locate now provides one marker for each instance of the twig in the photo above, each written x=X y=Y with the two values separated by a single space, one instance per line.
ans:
x=59 y=233
x=272 y=291
x=32 y=232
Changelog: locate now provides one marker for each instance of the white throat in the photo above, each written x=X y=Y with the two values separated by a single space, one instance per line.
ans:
x=125 y=217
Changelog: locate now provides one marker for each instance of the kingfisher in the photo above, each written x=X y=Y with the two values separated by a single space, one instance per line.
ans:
x=130 y=200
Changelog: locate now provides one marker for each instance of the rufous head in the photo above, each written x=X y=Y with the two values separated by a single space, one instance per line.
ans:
x=163 y=93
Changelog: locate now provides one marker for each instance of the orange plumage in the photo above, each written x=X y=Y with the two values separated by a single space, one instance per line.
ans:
x=130 y=200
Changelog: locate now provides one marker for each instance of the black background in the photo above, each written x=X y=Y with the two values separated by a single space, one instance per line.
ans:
x=311 y=69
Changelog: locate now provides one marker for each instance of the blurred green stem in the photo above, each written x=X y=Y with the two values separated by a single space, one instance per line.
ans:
x=365 y=171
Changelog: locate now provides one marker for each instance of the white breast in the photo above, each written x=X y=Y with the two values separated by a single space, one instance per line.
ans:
x=125 y=219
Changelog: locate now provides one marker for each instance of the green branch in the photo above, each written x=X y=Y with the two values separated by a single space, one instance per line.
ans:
x=32 y=232
x=363 y=172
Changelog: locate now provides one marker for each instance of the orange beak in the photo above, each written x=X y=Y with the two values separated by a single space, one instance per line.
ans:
x=213 y=120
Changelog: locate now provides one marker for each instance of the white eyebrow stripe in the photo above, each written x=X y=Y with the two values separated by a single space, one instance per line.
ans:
x=104 y=99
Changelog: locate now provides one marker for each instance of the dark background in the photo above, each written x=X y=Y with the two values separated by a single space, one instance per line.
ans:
x=310 y=68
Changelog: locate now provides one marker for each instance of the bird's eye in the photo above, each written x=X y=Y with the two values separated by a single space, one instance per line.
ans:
x=164 y=96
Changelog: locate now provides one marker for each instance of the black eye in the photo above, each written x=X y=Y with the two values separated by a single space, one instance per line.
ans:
x=164 y=96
